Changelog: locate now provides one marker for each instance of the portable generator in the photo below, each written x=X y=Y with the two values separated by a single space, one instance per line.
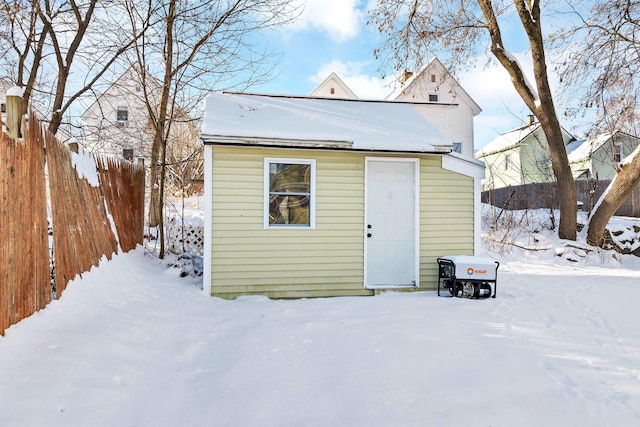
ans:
x=468 y=276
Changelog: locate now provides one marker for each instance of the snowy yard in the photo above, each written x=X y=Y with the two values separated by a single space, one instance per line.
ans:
x=132 y=344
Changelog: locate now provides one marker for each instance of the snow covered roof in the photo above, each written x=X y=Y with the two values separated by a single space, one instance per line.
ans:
x=589 y=146
x=513 y=137
x=507 y=140
x=319 y=122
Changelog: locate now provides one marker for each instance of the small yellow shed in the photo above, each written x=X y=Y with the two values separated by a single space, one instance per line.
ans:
x=316 y=197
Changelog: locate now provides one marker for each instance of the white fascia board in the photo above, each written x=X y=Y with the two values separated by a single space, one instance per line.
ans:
x=463 y=165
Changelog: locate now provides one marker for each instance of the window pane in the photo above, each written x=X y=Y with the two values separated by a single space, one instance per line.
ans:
x=123 y=114
x=289 y=209
x=289 y=193
x=289 y=178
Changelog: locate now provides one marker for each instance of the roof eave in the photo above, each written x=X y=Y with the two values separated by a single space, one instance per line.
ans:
x=313 y=144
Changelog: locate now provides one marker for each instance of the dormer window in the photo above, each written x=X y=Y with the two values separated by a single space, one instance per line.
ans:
x=433 y=98
x=433 y=78
x=333 y=90
x=122 y=116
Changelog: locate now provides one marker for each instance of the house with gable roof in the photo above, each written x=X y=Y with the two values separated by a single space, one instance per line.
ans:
x=437 y=95
x=117 y=123
x=519 y=156
x=333 y=87
x=599 y=157
x=443 y=102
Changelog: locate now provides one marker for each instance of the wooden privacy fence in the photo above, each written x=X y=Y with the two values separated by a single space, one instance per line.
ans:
x=545 y=195
x=25 y=285
x=91 y=217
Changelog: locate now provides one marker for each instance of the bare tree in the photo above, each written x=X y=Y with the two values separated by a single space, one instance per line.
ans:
x=195 y=46
x=603 y=70
x=413 y=29
x=62 y=49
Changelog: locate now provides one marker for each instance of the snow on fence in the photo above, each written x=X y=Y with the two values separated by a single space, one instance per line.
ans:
x=545 y=195
x=97 y=207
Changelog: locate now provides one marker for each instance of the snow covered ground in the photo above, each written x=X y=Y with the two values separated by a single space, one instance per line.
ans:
x=133 y=344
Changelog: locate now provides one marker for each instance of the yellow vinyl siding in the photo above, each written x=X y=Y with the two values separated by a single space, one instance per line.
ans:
x=446 y=217
x=328 y=260
x=286 y=262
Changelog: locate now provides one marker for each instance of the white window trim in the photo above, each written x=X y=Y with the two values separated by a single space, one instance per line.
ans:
x=312 y=197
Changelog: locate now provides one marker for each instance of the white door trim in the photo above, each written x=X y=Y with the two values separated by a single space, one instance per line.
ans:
x=416 y=227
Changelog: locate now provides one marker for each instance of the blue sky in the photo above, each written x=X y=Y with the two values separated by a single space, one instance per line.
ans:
x=332 y=36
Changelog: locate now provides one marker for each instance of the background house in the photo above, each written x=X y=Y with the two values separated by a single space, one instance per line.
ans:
x=333 y=87
x=308 y=196
x=118 y=124
x=519 y=156
x=599 y=157
x=443 y=102
x=434 y=93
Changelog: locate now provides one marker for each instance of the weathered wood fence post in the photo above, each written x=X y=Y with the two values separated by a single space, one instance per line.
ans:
x=15 y=112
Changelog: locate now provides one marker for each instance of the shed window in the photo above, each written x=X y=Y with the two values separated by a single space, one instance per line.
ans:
x=457 y=147
x=433 y=98
x=3 y=107
x=289 y=193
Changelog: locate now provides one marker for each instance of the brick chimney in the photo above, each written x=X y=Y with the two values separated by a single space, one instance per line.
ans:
x=406 y=75
x=531 y=119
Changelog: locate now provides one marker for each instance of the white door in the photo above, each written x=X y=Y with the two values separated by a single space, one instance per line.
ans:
x=391 y=236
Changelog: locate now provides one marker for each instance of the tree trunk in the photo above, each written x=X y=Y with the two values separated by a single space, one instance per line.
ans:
x=568 y=226
x=615 y=195
x=540 y=102
x=155 y=210
x=159 y=149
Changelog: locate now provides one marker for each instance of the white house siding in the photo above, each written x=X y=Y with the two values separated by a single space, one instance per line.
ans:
x=452 y=114
x=103 y=134
x=328 y=260
x=455 y=122
x=497 y=174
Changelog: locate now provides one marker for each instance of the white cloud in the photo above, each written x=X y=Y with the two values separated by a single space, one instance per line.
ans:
x=362 y=84
x=340 y=19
